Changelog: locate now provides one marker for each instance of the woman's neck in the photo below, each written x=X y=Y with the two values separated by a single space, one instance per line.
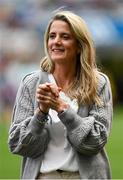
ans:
x=64 y=76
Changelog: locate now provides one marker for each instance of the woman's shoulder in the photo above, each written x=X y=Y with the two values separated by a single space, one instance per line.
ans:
x=103 y=80
x=31 y=76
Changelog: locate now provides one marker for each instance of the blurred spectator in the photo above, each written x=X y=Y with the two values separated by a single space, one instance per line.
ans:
x=22 y=24
x=7 y=91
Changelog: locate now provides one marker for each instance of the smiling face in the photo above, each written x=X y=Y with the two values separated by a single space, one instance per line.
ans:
x=62 y=45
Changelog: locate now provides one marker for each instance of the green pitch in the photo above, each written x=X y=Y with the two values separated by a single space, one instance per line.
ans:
x=10 y=164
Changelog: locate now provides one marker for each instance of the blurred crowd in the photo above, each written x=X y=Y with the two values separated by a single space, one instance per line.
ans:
x=22 y=24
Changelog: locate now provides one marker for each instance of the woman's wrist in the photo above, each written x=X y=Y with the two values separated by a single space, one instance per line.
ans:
x=40 y=110
x=43 y=116
x=63 y=108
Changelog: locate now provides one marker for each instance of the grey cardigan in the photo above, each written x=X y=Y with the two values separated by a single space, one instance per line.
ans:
x=87 y=130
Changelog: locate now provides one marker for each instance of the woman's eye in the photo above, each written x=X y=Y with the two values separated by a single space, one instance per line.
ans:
x=66 y=37
x=63 y=36
x=51 y=36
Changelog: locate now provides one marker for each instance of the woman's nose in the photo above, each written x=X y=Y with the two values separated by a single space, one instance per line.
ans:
x=57 y=40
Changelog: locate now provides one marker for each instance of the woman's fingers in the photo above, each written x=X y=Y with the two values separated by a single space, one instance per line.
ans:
x=47 y=102
x=48 y=88
x=47 y=95
x=54 y=89
x=43 y=90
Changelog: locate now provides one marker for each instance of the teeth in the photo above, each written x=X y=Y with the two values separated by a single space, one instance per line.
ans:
x=57 y=50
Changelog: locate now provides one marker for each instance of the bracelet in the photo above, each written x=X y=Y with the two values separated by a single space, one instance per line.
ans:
x=47 y=116
x=44 y=119
x=42 y=111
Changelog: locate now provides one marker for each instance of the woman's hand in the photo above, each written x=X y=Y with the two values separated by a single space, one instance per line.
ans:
x=48 y=97
x=59 y=104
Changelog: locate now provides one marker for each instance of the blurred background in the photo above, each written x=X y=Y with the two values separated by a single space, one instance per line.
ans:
x=22 y=26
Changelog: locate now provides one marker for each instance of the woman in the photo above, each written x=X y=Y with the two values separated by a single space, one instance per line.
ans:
x=62 y=114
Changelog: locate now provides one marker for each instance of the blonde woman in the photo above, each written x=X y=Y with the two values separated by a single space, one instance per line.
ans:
x=63 y=112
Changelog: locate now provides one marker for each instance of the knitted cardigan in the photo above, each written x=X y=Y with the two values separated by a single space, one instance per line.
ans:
x=87 y=130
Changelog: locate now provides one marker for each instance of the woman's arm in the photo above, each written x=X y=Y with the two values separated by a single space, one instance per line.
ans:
x=88 y=135
x=28 y=135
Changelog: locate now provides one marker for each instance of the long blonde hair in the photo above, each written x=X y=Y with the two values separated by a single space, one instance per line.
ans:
x=85 y=85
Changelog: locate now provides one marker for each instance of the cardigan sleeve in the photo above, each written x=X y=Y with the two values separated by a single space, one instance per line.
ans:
x=88 y=135
x=27 y=136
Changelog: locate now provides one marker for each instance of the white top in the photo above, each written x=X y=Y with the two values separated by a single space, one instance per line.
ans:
x=59 y=154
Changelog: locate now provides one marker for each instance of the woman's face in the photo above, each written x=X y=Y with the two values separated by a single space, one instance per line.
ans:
x=62 y=45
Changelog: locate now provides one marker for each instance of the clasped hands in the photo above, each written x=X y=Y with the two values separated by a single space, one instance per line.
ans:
x=47 y=95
